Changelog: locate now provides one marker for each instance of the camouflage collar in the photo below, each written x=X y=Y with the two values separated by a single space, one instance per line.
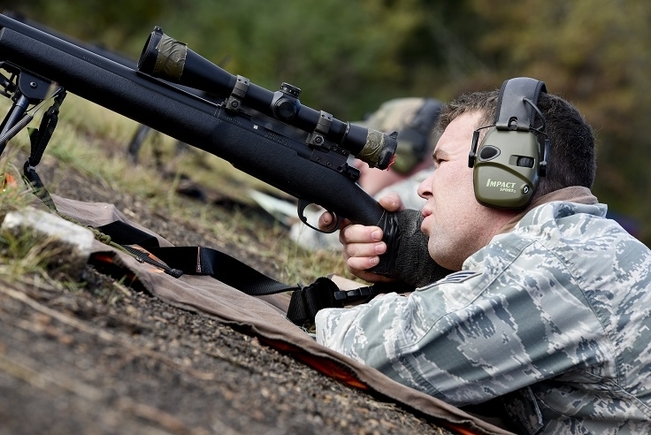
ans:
x=578 y=194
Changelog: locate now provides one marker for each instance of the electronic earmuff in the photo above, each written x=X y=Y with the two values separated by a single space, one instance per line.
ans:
x=513 y=154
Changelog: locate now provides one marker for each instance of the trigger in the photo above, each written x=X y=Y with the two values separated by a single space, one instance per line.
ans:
x=302 y=205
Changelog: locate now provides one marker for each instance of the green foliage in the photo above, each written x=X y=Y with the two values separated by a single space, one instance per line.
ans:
x=338 y=52
x=21 y=252
x=344 y=55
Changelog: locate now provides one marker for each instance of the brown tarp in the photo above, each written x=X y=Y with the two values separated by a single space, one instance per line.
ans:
x=264 y=317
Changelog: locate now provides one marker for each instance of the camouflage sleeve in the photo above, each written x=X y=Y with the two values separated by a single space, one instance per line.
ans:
x=474 y=336
x=465 y=339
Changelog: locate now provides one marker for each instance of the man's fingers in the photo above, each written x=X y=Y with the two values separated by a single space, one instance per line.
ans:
x=391 y=202
x=362 y=246
x=360 y=234
x=365 y=249
x=364 y=274
x=359 y=264
x=327 y=221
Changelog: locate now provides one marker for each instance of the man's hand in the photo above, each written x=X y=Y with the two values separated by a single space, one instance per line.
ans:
x=362 y=245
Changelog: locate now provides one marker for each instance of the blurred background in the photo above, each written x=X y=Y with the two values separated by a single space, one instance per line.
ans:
x=350 y=56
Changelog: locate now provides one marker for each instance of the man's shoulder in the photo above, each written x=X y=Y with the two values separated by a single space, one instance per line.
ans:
x=559 y=210
x=566 y=222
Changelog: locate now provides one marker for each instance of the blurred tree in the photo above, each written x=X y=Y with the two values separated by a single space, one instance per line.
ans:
x=596 y=54
x=113 y=24
x=342 y=54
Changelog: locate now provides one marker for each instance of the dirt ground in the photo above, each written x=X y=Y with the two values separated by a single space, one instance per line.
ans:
x=112 y=359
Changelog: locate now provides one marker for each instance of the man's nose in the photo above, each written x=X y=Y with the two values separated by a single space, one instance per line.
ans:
x=425 y=188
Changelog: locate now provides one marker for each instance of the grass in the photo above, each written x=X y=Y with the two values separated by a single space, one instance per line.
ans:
x=103 y=158
x=26 y=258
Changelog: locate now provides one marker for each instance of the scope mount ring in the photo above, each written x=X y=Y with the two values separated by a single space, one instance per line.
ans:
x=234 y=101
x=317 y=137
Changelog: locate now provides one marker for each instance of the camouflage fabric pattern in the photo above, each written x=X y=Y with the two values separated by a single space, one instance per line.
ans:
x=553 y=317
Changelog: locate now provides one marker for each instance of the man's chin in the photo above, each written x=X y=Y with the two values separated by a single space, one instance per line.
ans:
x=443 y=260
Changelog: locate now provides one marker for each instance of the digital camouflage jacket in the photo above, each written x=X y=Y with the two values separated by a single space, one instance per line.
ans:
x=553 y=317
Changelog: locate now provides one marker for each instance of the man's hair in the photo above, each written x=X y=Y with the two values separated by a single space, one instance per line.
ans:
x=572 y=157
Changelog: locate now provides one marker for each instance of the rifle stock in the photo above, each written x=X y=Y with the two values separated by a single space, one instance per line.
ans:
x=272 y=151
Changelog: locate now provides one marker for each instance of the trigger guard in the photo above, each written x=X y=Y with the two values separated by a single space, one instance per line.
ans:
x=302 y=204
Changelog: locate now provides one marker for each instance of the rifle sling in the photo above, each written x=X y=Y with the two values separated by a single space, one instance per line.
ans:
x=305 y=301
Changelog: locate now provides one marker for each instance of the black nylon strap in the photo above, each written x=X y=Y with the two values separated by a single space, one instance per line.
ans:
x=199 y=260
x=125 y=234
x=305 y=301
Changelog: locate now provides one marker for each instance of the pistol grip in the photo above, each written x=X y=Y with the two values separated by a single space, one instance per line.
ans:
x=389 y=225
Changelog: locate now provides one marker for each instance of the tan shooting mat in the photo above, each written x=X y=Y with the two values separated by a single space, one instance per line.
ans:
x=264 y=317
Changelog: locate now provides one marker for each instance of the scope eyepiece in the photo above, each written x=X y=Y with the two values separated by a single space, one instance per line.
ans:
x=379 y=148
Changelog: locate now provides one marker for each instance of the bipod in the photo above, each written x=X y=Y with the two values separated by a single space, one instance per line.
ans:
x=27 y=90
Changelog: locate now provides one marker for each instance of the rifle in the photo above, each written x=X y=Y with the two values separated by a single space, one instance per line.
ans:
x=269 y=135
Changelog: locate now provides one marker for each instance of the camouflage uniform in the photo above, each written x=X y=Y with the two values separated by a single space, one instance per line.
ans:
x=553 y=316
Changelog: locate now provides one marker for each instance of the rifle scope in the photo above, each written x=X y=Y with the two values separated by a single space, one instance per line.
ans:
x=168 y=59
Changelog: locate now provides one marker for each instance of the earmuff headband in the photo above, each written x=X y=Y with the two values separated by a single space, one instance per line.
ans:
x=513 y=112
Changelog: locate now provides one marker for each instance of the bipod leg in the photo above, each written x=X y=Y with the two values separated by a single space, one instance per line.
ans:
x=27 y=90
x=15 y=121
x=136 y=142
x=39 y=140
